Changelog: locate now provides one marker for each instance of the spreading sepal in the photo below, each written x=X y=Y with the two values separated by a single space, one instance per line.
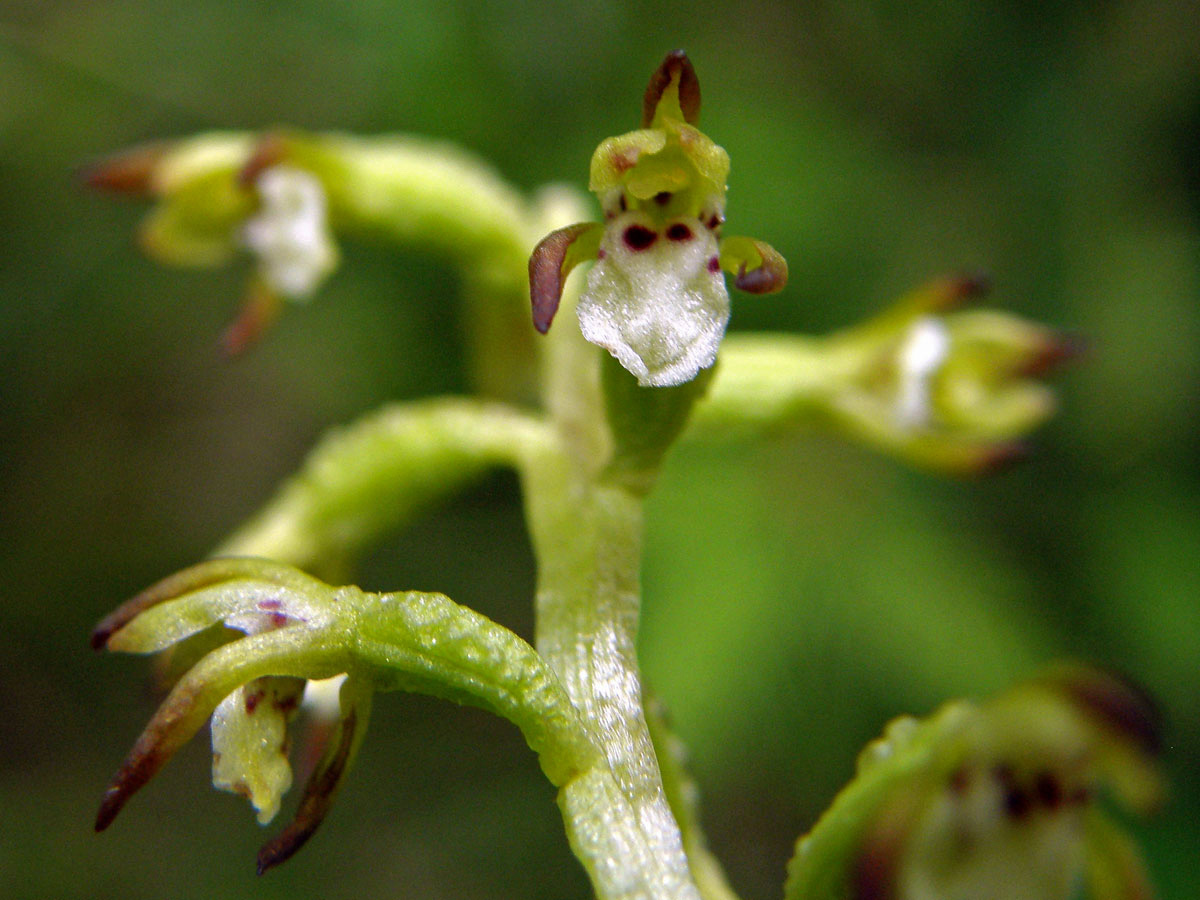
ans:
x=756 y=266
x=999 y=800
x=552 y=261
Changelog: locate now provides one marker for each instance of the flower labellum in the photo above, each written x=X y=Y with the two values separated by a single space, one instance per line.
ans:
x=290 y=234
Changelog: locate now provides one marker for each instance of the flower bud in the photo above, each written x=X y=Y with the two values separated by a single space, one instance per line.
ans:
x=950 y=390
x=993 y=800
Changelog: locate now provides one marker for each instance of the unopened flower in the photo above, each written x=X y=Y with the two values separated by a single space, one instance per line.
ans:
x=1004 y=800
x=656 y=299
x=948 y=388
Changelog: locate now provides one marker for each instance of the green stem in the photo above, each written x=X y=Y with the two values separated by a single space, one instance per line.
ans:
x=587 y=536
x=378 y=473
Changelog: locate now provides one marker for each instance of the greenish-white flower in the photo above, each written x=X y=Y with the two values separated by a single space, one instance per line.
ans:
x=655 y=298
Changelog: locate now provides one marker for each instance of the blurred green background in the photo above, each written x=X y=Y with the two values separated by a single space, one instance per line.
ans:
x=798 y=593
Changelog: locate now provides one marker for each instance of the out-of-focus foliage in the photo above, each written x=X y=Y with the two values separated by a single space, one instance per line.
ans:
x=875 y=145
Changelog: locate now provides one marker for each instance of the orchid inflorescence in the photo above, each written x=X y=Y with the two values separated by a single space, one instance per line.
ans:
x=1004 y=798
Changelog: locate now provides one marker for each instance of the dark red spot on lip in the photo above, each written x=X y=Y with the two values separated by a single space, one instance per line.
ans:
x=270 y=604
x=714 y=222
x=623 y=203
x=1048 y=789
x=679 y=232
x=662 y=198
x=639 y=237
x=601 y=253
x=960 y=780
x=252 y=700
x=1016 y=803
x=278 y=619
x=714 y=265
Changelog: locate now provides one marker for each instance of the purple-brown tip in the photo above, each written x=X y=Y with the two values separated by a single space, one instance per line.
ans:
x=318 y=797
x=1060 y=349
x=1001 y=457
x=959 y=289
x=768 y=278
x=137 y=769
x=129 y=172
x=1118 y=702
x=547 y=272
x=271 y=150
x=675 y=65
x=258 y=313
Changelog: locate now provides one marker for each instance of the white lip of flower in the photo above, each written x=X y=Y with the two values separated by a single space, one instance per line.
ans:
x=922 y=353
x=656 y=298
x=290 y=234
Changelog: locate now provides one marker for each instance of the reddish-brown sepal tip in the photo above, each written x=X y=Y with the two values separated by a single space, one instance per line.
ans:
x=1057 y=351
x=1001 y=457
x=970 y=285
x=98 y=639
x=756 y=266
x=271 y=150
x=133 y=774
x=769 y=278
x=258 y=313
x=1118 y=702
x=130 y=172
x=955 y=290
x=318 y=797
x=675 y=65
x=549 y=266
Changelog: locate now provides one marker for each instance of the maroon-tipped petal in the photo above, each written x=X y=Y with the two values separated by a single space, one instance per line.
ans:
x=269 y=151
x=129 y=172
x=547 y=275
x=675 y=65
x=318 y=797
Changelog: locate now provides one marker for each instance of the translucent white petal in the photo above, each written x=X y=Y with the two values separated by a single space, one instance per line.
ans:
x=249 y=739
x=290 y=234
x=660 y=308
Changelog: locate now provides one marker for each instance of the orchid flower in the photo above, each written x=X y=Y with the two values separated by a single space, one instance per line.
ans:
x=656 y=298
